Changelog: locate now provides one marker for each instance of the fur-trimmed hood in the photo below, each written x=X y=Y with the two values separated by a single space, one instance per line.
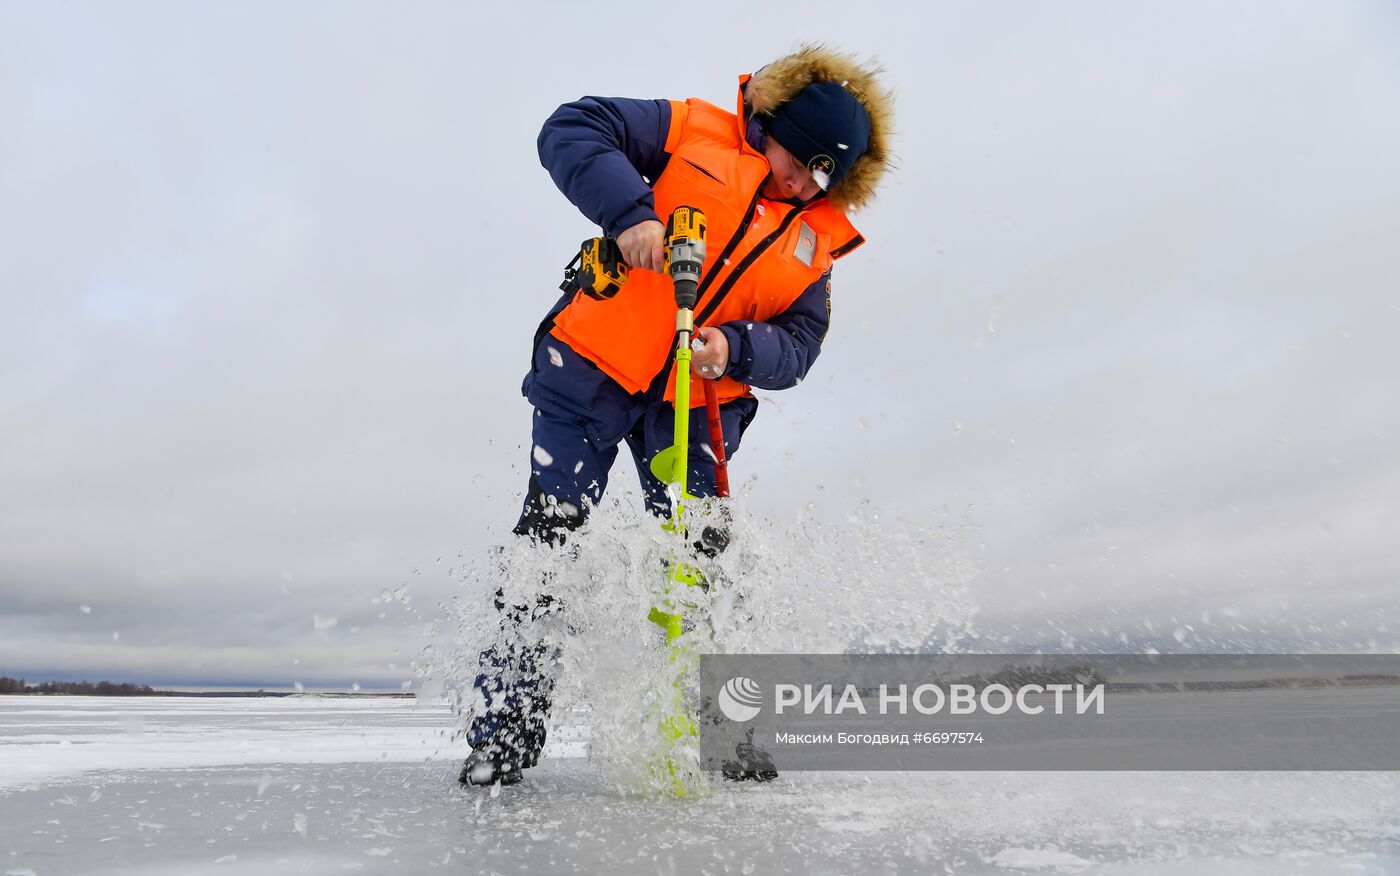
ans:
x=777 y=82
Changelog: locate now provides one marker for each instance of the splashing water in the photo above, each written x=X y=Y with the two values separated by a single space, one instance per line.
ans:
x=864 y=584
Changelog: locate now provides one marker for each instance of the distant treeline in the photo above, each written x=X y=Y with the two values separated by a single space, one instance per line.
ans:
x=81 y=688
x=108 y=689
x=1020 y=676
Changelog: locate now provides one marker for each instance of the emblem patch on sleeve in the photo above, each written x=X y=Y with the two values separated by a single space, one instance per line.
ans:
x=806 y=244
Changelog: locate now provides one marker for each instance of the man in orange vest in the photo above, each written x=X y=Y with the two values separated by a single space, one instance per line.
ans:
x=807 y=142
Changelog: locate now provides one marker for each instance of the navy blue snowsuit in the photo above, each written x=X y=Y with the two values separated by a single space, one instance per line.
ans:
x=601 y=152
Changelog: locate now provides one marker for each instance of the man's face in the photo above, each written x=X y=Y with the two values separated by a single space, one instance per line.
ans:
x=791 y=178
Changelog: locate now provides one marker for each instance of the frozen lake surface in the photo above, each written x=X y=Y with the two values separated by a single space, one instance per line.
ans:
x=315 y=785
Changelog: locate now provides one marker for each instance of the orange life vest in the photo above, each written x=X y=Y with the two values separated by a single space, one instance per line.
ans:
x=760 y=255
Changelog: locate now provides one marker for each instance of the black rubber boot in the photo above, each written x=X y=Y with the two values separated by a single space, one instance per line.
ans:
x=490 y=766
x=752 y=763
x=516 y=744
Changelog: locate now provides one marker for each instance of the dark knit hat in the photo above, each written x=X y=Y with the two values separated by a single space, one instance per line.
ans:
x=824 y=127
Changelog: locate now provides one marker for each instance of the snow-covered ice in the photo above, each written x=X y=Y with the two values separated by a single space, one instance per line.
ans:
x=366 y=785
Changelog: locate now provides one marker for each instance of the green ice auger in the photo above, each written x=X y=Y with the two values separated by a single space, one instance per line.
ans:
x=685 y=254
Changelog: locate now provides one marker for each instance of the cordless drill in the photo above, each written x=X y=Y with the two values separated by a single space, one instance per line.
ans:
x=599 y=271
x=685 y=253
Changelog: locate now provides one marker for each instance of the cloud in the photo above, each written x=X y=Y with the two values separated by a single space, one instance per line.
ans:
x=268 y=293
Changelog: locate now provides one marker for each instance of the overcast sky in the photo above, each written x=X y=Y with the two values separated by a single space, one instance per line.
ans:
x=269 y=273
